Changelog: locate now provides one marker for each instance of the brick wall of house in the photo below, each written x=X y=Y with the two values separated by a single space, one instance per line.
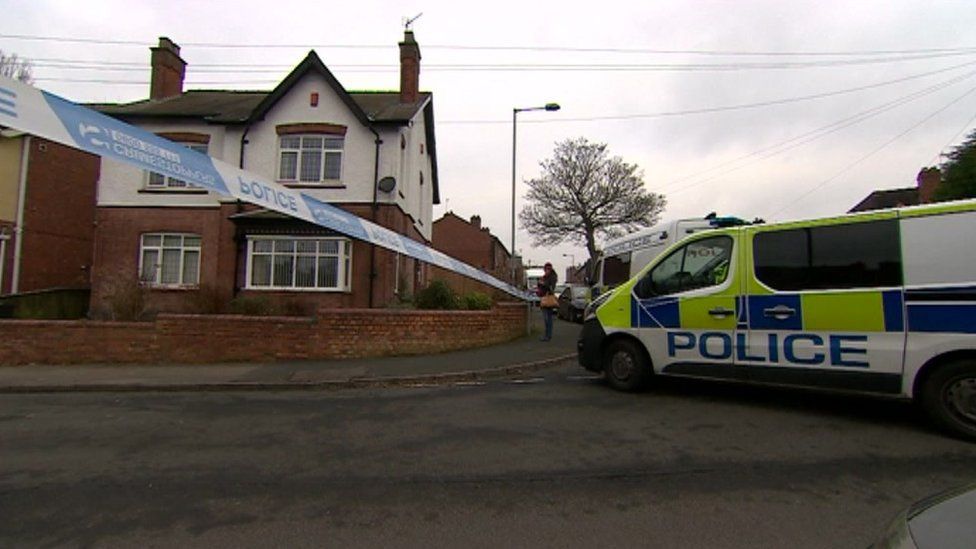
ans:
x=472 y=244
x=59 y=217
x=223 y=262
x=116 y=257
x=464 y=285
x=331 y=334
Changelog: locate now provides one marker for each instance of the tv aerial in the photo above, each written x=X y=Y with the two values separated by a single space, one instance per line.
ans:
x=409 y=21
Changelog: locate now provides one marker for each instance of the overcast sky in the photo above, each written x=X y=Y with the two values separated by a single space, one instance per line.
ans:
x=893 y=85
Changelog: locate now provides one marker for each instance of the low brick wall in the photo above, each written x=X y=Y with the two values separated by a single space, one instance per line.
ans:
x=335 y=333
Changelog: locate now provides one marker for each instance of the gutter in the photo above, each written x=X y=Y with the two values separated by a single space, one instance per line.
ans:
x=19 y=227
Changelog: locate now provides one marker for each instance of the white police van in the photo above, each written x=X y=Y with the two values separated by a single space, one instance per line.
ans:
x=622 y=258
x=880 y=302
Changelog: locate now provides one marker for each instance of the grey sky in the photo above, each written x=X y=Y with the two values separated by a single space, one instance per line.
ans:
x=473 y=107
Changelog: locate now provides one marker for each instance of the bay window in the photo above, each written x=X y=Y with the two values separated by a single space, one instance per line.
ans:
x=299 y=263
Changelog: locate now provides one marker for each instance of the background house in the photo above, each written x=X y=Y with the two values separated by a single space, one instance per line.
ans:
x=47 y=211
x=473 y=244
x=928 y=180
x=192 y=249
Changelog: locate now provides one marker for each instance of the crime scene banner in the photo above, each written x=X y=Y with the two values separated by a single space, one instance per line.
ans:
x=36 y=112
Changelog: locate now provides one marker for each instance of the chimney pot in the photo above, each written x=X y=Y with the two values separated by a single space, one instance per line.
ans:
x=168 y=70
x=476 y=221
x=928 y=181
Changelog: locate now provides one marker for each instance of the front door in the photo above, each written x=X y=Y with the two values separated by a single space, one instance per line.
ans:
x=685 y=308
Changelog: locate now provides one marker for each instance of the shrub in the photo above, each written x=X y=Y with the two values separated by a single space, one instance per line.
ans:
x=127 y=301
x=294 y=307
x=438 y=295
x=476 y=301
x=204 y=300
x=250 y=305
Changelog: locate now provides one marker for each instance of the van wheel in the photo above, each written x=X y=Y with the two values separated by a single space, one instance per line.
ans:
x=626 y=366
x=949 y=397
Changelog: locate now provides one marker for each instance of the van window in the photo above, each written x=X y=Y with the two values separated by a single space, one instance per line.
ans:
x=616 y=270
x=698 y=264
x=852 y=255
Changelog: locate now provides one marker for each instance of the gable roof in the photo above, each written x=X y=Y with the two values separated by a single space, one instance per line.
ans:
x=240 y=107
x=236 y=107
x=311 y=64
x=244 y=107
x=890 y=198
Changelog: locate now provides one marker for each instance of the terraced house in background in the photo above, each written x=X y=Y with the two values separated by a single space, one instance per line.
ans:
x=372 y=153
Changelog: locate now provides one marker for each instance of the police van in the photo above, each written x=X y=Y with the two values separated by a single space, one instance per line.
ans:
x=623 y=257
x=880 y=302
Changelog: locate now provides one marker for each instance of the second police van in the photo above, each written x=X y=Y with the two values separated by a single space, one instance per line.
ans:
x=623 y=257
x=881 y=302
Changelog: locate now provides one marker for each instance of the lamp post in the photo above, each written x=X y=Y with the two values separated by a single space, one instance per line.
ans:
x=572 y=260
x=547 y=107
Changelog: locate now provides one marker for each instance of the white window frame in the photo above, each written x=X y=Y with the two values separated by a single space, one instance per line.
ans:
x=166 y=243
x=343 y=263
x=155 y=180
x=329 y=147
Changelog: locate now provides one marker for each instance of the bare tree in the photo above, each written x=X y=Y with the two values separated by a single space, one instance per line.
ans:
x=584 y=192
x=16 y=67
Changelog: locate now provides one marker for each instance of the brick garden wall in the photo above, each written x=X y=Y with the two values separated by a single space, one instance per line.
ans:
x=331 y=334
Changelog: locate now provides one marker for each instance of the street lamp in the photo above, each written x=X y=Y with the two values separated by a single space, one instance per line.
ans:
x=547 y=107
x=572 y=260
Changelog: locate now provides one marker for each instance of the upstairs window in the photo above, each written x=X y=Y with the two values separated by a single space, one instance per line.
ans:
x=169 y=259
x=310 y=158
x=160 y=181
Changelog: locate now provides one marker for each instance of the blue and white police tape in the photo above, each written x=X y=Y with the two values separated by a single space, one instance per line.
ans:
x=36 y=112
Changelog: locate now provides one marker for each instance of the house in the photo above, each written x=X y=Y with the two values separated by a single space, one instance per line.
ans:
x=928 y=180
x=473 y=244
x=47 y=214
x=372 y=153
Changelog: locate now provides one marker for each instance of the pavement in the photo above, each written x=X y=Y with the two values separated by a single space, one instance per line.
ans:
x=506 y=360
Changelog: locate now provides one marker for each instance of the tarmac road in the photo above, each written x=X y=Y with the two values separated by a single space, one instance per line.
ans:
x=553 y=459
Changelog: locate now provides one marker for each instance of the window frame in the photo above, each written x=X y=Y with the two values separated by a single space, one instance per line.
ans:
x=300 y=151
x=644 y=288
x=343 y=263
x=811 y=278
x=167 y=181
x=156 y=281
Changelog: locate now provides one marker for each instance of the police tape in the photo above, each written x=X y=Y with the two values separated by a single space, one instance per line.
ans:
x=36 y=112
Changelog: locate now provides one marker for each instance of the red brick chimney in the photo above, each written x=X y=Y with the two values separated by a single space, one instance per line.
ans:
x=476 y=221
x=928 y=180
x=409 y=69
x=168 y=69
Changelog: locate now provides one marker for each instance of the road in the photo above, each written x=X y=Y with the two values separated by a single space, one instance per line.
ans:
x=558 y=460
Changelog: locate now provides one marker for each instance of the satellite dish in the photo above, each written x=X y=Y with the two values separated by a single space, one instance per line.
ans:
x=387 y=184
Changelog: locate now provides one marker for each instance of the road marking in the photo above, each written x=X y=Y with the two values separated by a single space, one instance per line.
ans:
x=525 y=381
x=469 y=383
x=584 y=378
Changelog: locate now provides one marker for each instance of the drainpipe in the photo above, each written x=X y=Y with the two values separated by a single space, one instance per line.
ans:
x=240 y=208
x=376 y=179
x=19 y=228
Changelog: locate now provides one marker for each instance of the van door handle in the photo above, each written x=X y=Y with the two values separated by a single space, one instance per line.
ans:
x=779 y=312
x=721 y=312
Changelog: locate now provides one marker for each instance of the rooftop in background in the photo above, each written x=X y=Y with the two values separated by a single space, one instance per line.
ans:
x=928 y=180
